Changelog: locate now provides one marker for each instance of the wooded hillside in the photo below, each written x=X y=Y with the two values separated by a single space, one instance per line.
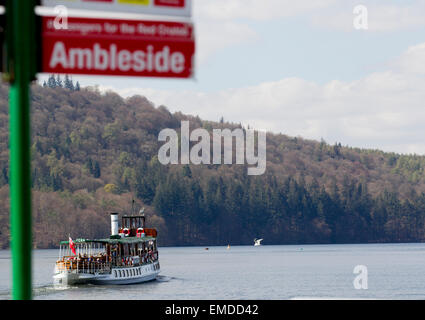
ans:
x=92 y=153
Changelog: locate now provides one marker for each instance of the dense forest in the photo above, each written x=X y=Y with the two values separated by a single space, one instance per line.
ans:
x=93 y=152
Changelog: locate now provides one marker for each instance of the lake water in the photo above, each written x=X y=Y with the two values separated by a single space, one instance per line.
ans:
x=395 y=271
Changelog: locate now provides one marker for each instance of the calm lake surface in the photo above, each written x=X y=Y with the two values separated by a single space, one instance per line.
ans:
x=395 y=271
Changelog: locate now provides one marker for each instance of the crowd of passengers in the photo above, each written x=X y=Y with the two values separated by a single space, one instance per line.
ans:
x=83 y=260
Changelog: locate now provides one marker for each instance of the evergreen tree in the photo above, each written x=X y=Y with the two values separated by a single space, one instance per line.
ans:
x=145 y=190
x=4 y=178
x=68 y=84
x=89 y=165
x=96 y=169
x=51 y=82
x=186 y=171
x=59 y=82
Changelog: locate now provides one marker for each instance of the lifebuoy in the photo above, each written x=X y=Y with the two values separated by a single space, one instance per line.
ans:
x=126 y=232
x=140 y=232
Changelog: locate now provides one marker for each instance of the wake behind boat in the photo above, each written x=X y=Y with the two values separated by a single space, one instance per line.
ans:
x=129 y=256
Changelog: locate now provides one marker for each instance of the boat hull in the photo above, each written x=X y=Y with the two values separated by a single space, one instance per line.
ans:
x=106 y=281
x=118 y=275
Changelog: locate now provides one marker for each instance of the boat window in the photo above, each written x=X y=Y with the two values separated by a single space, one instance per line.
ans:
x=115 y=273
x=120 y=273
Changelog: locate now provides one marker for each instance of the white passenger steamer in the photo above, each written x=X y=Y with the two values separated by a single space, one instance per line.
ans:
x=129 y=256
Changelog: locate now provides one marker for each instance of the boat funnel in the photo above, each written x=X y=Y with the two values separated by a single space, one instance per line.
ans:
x=114 y=224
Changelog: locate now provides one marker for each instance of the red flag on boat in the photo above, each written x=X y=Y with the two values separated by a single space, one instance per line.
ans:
x=72 y=246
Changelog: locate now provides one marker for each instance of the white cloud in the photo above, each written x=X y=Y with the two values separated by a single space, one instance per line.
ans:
x=224 y=23
x=213 y=36
x=383 y=110
x=401 y=17
x=256 y=9
x=413 y=60
x=331 y=14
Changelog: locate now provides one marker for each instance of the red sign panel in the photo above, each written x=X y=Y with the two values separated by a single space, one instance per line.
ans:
x=170 y=3
x=118 y=47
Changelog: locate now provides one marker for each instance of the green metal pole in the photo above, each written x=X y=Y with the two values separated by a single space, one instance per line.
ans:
x=20 y=34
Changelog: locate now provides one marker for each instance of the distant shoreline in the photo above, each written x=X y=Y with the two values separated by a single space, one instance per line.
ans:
x=263 y=245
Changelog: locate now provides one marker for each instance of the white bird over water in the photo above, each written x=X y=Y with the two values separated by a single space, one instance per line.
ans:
x=257 y=242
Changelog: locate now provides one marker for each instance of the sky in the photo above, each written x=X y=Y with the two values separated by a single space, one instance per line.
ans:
x=301 y=68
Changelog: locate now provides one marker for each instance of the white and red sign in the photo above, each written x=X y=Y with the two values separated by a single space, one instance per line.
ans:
x=157 y=7
x=118 y=47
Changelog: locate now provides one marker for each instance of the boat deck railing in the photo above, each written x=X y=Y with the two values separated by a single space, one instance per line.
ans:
x=83 y=267
x=93 y=265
